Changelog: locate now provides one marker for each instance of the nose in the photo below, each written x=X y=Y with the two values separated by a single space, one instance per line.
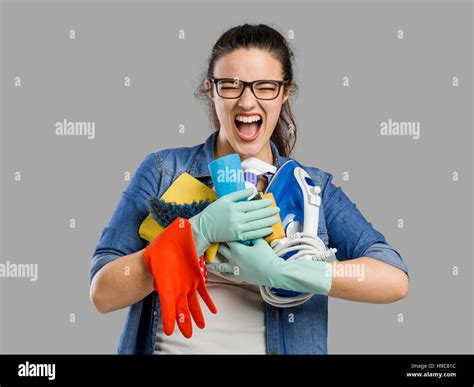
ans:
x=247 y=99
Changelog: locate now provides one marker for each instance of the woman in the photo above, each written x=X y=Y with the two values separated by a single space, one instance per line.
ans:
x=121 y=270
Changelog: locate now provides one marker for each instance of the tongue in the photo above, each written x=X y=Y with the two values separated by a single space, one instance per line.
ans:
x=249 y=129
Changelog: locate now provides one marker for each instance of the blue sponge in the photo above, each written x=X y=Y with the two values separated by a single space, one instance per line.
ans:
x=164 y=213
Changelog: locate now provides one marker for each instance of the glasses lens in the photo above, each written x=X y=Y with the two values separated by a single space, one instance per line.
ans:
x=229 y=88
x=266 y=89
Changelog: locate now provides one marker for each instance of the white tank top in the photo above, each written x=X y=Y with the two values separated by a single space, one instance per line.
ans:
x=237 y=328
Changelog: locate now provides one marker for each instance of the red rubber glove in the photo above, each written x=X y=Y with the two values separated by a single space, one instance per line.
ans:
x=172 y=260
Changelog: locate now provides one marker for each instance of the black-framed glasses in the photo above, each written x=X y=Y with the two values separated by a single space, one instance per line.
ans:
x=231 y=88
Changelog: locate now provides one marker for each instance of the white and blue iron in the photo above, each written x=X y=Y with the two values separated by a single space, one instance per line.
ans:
x=298 y=198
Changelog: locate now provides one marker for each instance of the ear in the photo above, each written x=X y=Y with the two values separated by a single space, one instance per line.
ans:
x=286 y=93
x=209 y=87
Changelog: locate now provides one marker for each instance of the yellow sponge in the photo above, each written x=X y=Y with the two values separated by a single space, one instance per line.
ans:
x=184 y=190
x=278 y=230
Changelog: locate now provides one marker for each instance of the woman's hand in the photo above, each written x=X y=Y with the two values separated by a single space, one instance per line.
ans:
x=259 y=265
x=233 y=218
x=256 y=264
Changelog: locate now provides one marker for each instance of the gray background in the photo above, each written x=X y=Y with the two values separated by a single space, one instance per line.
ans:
x=390 y=177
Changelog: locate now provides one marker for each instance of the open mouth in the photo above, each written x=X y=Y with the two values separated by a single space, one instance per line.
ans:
x=248 y=131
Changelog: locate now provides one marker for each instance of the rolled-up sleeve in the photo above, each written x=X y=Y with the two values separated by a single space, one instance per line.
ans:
x=350 y=233
x=387 y=254
x=120 y=237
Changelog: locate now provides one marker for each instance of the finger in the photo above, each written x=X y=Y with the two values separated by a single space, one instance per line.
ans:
x=168 y=313
x=239 y=195
x=252 y=205
x=263 y=232
x=258 y=241
x=183 y=317
x=224 y=250
x=258 y=224
x=233 y=244
x=202 y=290
x=195 y=309
x=220 y=267
x=261 y=214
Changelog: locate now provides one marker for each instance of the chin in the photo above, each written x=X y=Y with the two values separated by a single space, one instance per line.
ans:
x=248 y=149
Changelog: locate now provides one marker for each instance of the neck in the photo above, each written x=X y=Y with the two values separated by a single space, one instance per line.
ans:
x=223 y=148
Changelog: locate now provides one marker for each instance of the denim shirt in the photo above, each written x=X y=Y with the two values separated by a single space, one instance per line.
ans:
x=296 y=330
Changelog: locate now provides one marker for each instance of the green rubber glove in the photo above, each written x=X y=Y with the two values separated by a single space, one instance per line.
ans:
x=259 y=265
x=233 y=218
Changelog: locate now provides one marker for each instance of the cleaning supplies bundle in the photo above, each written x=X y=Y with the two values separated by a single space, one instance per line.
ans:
x=185 y=225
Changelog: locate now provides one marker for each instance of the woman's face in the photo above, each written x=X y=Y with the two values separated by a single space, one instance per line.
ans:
x=248 y=65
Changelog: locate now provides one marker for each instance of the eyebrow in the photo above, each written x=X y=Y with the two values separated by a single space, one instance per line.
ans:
x=240 y=79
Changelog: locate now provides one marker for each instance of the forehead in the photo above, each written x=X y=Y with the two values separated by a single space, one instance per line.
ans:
x=248 y=65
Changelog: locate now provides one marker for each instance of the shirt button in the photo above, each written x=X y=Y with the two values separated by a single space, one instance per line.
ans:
x=155 y=312
x=274 y=314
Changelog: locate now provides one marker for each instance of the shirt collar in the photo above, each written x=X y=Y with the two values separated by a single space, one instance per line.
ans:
x=206 y=154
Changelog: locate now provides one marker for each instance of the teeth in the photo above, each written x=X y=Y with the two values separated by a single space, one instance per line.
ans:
x=248 y=119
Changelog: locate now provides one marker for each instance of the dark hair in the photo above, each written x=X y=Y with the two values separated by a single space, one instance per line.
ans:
x=266 y=38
